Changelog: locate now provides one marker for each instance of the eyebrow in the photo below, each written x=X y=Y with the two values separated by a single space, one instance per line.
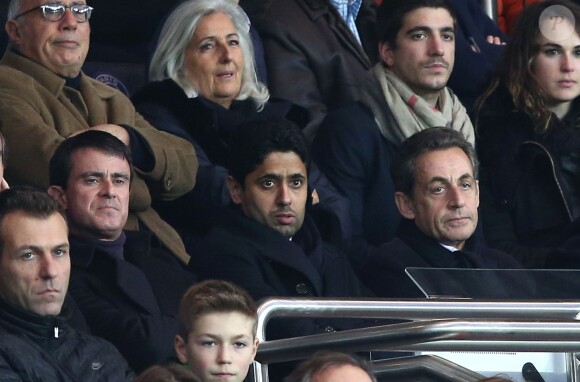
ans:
x=297 y=175
x=36 y=248
x=101 y=174
x=445 y=180
x=421 y=28
x=213 y=37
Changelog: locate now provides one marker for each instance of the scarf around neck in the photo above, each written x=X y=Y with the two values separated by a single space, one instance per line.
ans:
x=412 y=113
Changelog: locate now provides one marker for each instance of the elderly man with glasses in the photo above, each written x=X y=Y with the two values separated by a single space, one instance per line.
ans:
x=45 y=98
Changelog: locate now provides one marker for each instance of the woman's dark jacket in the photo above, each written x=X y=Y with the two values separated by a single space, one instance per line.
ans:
x=208 y=126
x=530 y=181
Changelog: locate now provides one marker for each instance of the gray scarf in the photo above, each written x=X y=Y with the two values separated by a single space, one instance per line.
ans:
x=406 y=113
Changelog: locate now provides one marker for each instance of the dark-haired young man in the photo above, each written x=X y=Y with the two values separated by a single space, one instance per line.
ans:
x=125 y=283
x=404 y=94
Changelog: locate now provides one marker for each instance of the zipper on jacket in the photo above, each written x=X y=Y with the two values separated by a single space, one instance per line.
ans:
x=545 y=150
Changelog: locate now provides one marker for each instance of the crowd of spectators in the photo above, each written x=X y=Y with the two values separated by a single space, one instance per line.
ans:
x=285 y=148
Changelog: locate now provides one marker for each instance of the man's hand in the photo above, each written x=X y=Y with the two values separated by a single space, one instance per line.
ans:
x=495 y=40
x=4 y=185
x=116 y=130
x=120 y=132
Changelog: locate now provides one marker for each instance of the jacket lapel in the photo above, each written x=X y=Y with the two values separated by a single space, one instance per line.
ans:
x=322 y=8
x=275 y=247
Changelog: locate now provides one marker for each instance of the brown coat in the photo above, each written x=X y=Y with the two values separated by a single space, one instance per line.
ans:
x=37 y=112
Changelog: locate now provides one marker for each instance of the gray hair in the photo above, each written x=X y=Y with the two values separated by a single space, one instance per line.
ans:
x=169 y=56
x=14 y=9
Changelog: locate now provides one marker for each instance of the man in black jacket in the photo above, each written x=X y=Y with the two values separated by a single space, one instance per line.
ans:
x=267 y=243
x=38 y=342
x=127 y=286
x=437 y=193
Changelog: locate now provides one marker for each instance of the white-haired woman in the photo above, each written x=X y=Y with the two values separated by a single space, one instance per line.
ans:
x=204 y=85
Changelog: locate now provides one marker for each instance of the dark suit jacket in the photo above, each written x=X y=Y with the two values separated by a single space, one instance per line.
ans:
x=351 y=151
x=132 y=302
x=312 y=58
x=385 y=273
x=267 y=264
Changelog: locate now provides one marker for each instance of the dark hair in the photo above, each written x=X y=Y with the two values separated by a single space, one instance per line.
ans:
x=253 y=141
x=322 y=361
x=61 y=163
x=516 y=70
x=4 y=151
x=391 y=16
x=214 y=296
x=167 y=372
x=432 y=139
x=27 y=200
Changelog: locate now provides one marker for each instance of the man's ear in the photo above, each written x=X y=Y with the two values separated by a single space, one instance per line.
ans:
x=405 y=205
x=58 y=194
x=256 y=345
x=180 y=349
x=386 y=54
x=235 y=189
x=12 y=29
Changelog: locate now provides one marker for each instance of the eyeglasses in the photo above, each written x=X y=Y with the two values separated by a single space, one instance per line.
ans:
x=55 y=12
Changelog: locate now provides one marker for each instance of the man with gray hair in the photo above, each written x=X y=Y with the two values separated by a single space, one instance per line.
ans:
x=437 y=193
x=45 y=98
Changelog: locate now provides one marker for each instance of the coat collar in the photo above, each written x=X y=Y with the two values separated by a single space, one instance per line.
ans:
x=127 y=277
x=316 y=9
x=302 y=253
x=48 y=79
x=438 y=256
x=41 y=328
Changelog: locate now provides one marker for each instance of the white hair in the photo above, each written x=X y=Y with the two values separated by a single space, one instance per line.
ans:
x=169 y=57
x=14 y=9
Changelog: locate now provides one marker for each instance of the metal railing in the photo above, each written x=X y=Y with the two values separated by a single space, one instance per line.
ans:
x=490 y=8
x=458 y=325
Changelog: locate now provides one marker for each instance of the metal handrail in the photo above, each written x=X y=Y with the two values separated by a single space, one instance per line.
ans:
x=413 y=309
x=429 y=309
x=450 y=335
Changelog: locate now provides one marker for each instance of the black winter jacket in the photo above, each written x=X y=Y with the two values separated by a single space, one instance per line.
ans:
x=530 y=182
x=46 y=348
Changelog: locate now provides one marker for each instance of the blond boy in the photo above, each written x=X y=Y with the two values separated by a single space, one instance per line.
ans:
x=217 y=331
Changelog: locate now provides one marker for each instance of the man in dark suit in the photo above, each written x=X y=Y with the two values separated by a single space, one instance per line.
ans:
x=266 y=242
x=125 y=283
x=437 y=193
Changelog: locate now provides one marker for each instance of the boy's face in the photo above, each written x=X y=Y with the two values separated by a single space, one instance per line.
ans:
x=220 y=347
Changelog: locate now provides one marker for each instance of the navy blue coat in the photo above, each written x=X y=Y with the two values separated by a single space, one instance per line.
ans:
x=132 y=302
x=351 y=151
x=473 y=70
x=385 y=274
x=267 y=264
